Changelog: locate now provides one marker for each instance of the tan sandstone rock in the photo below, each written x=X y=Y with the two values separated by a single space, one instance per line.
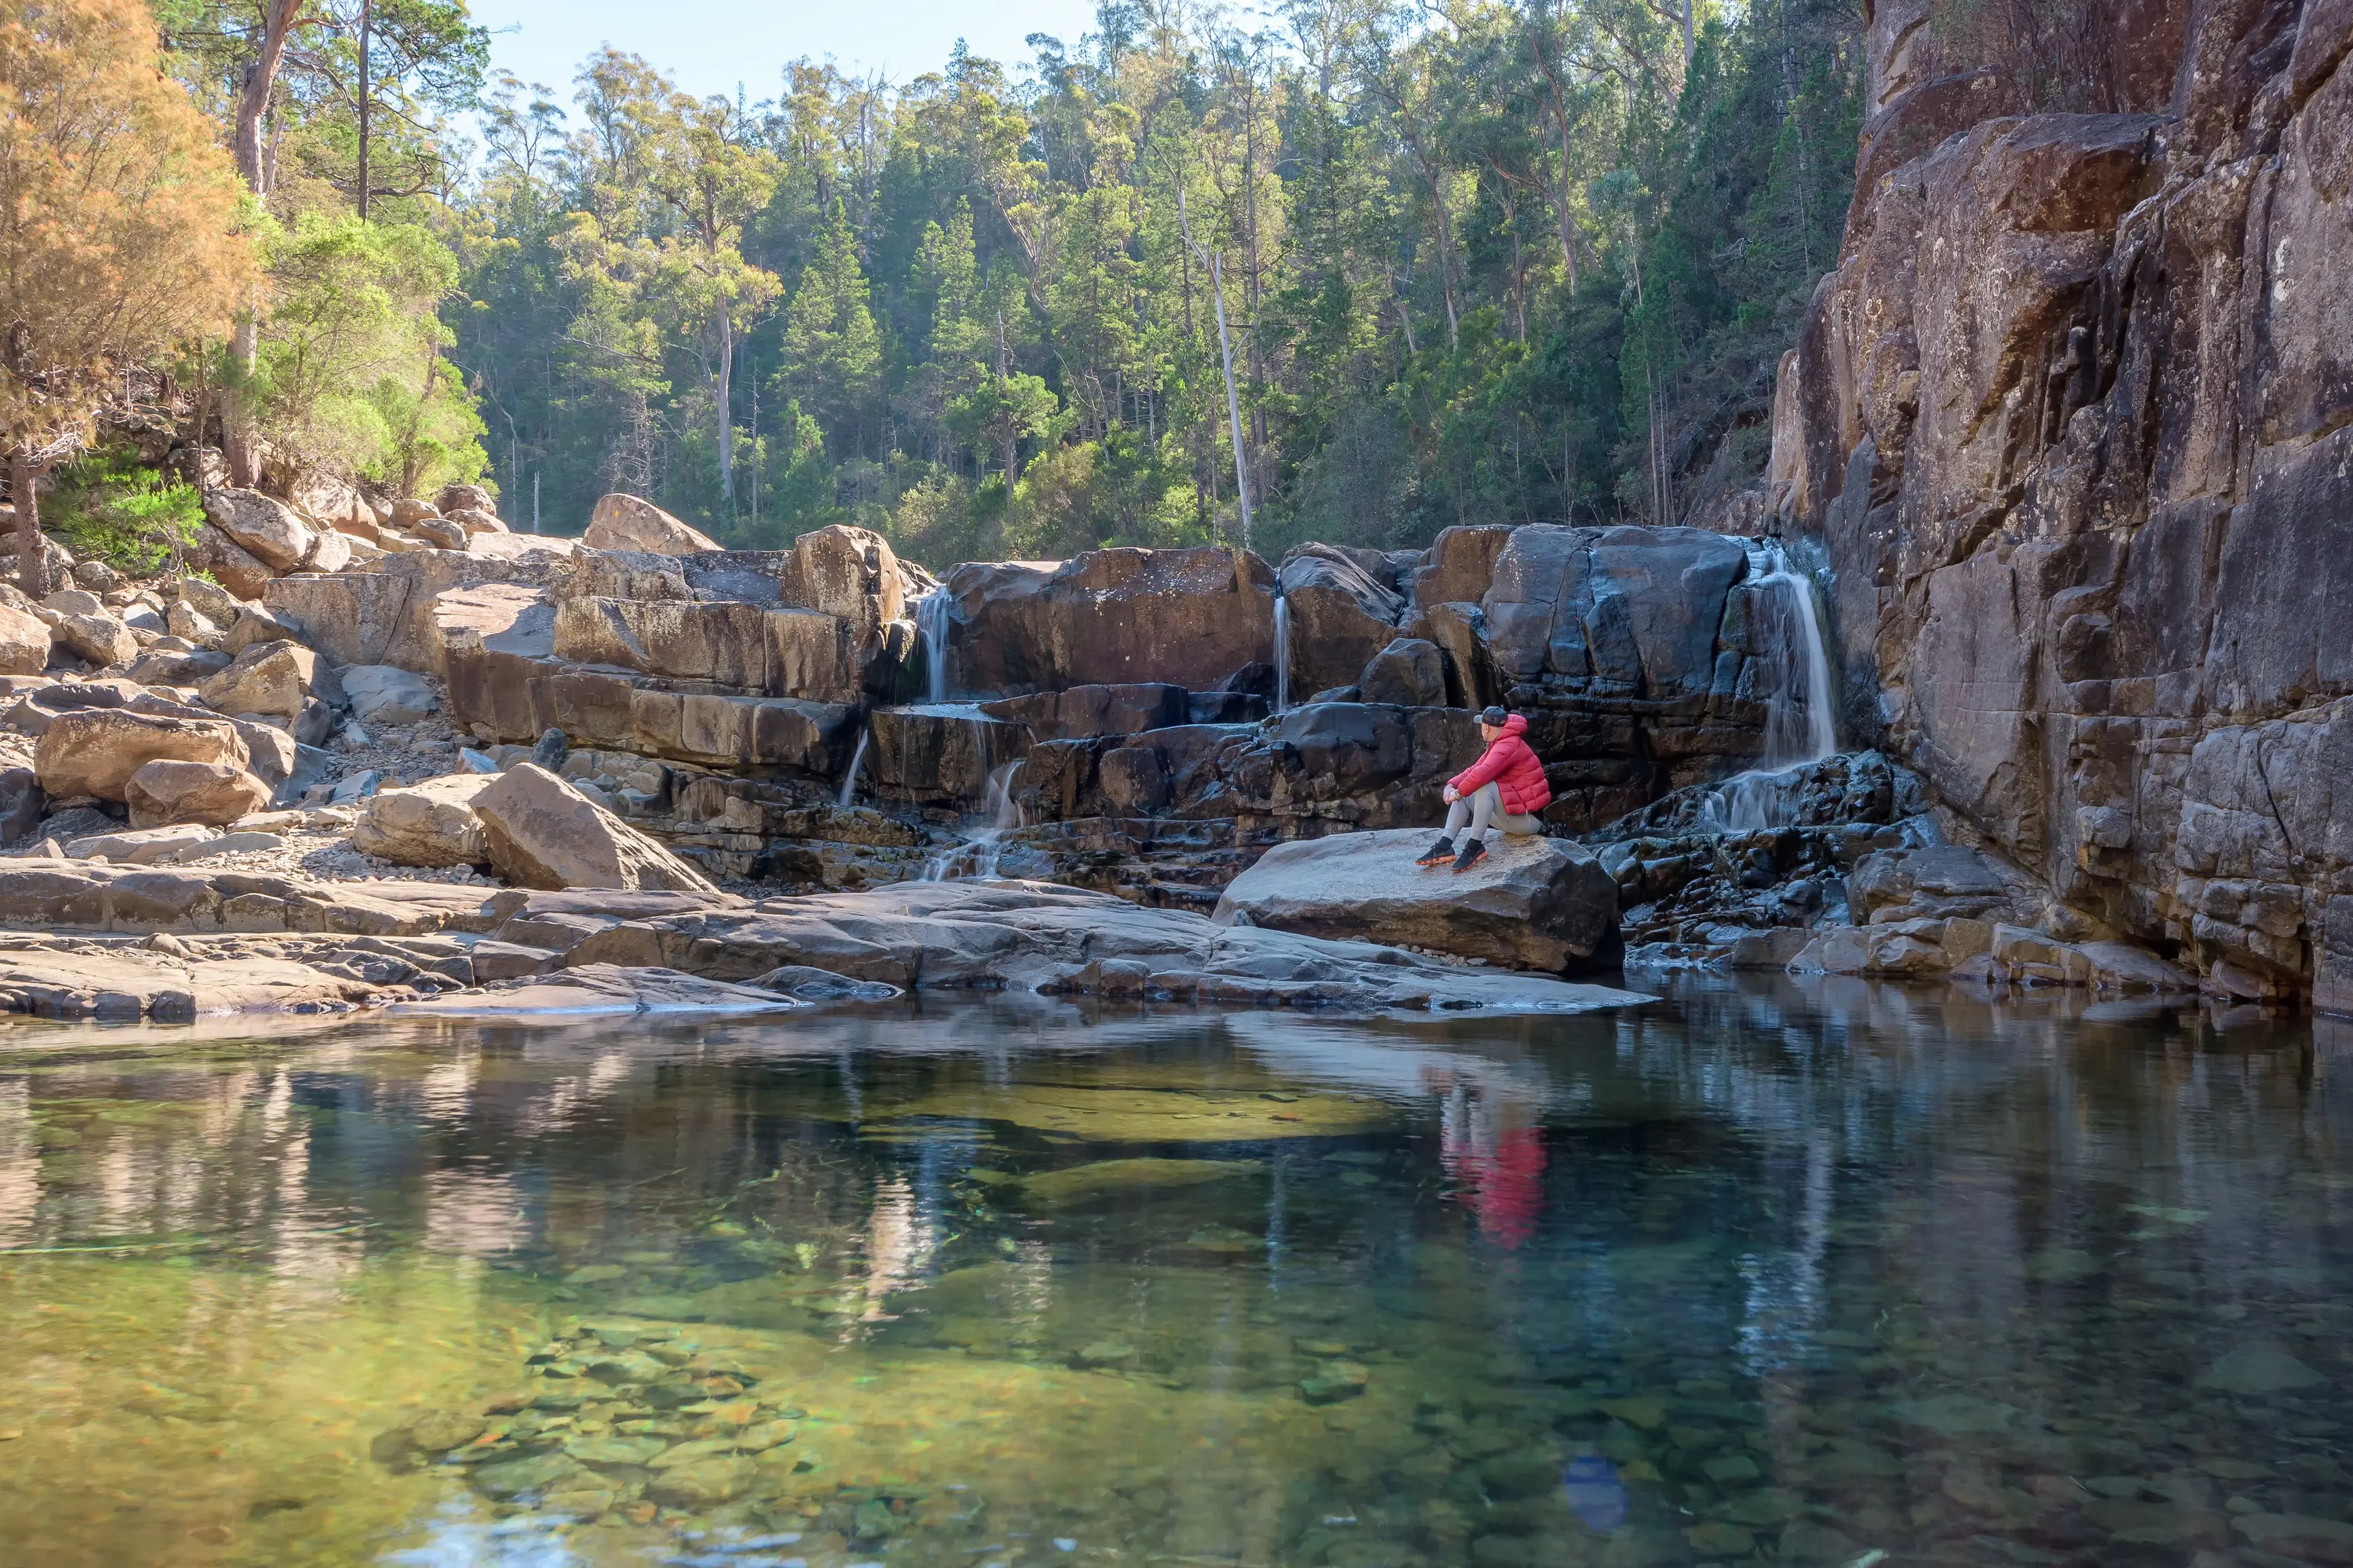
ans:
x=274 y=680
x=427 y=824
x=100 y=639
x=216 y=794
x=94 y=751
x=543 y=833
x=266 y=527
x=24 y=642
x=629 y=523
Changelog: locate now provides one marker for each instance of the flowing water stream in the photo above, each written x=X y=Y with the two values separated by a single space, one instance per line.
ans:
x=849 y=776
x=932 y=625
x=1773 y=1271
x=977 y=856
x=1282 y=653
x=1791 y=671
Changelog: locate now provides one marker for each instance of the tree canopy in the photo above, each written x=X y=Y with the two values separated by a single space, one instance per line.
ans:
x=1509 y=260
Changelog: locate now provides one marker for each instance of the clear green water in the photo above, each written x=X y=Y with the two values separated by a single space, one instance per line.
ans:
x=1768 y=1271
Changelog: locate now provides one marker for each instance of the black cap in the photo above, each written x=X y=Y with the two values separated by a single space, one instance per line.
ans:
x=1493 y=717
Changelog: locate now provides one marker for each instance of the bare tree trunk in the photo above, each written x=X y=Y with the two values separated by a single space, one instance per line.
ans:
x=32 y=552
x=366 y=14
x=725 y=389
x=238 y=448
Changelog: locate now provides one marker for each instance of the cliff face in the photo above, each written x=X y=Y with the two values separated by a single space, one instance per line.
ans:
x=2074 y=419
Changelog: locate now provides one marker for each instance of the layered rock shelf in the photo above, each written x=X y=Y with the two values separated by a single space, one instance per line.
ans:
x=1039 y=776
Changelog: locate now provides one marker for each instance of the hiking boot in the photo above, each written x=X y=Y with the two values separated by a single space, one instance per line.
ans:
x=1440 y=853
x=1473 y=853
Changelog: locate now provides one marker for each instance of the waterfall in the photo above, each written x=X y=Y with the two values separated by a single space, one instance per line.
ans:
x=849 y=779
x=1282 y=653
x=986 y=846
x=932 y=622
x=1792 y=679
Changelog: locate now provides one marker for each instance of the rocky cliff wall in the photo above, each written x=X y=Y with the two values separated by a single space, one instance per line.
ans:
x=2074 y=419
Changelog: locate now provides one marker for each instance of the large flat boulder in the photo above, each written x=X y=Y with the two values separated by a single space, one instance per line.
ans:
x=94 y=751
x=599 y=991
x=630 y=522
x=1540 y=903
x=539 y=832
x=1056 y=940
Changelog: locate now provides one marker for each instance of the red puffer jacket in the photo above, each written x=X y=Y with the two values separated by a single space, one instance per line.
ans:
x=1514 y=770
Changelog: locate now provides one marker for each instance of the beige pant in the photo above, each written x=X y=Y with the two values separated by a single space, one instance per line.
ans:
x=1483 y=810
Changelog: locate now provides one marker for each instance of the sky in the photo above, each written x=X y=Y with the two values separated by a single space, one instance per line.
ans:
x=709 y=45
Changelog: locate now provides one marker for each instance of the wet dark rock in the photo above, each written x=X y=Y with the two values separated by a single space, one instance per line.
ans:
x=1341 y=615
x=1189 y=617
x=806 y=985
x=1406 y=673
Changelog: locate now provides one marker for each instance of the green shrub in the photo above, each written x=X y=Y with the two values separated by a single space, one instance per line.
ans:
x=108 y=507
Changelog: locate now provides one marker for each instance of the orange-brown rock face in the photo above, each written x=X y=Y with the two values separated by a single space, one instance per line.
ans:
x=2075 y=418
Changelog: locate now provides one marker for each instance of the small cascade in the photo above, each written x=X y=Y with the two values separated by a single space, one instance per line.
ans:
x=931 y=623
x=1282 y=653
x=849 y=779
x=976 y=857
x=1794 y=683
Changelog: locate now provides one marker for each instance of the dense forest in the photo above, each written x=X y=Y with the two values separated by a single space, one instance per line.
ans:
x=1524 y=260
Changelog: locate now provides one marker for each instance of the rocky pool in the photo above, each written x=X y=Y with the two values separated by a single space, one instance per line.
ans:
x=1808 y=1273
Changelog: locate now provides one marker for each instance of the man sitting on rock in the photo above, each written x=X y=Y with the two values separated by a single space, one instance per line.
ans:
x=1505 y=788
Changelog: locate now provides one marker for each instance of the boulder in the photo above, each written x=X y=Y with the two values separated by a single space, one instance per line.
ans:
x=100 y=638
x=94 y=751
x=1461 y=565
x=543 y=833
x=275 y=680
x=141 y=847
x=385 y=694
x=1183 y=617
x=229 y=565
x=627 y=522
x=264 y=527
x=1409 y=673
x=216 y=794
x=427 y=824
x=1540 y=903
x=474 y=520
x=1340 y=613
x=464 y=497
x=23 y=803
x=1625 y=612
x=332 y=553
x=847 y=572
x=216 y=604
x=182 y=619
x=24 y=642
x=441 y=533
x=408 y=511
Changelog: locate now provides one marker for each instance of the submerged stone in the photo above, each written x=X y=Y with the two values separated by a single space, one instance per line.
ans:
x=520 y=1477
x=2259 y=1367
x=1111 y=1178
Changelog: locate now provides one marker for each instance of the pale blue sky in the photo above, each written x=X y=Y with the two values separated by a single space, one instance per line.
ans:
x=709 y=45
